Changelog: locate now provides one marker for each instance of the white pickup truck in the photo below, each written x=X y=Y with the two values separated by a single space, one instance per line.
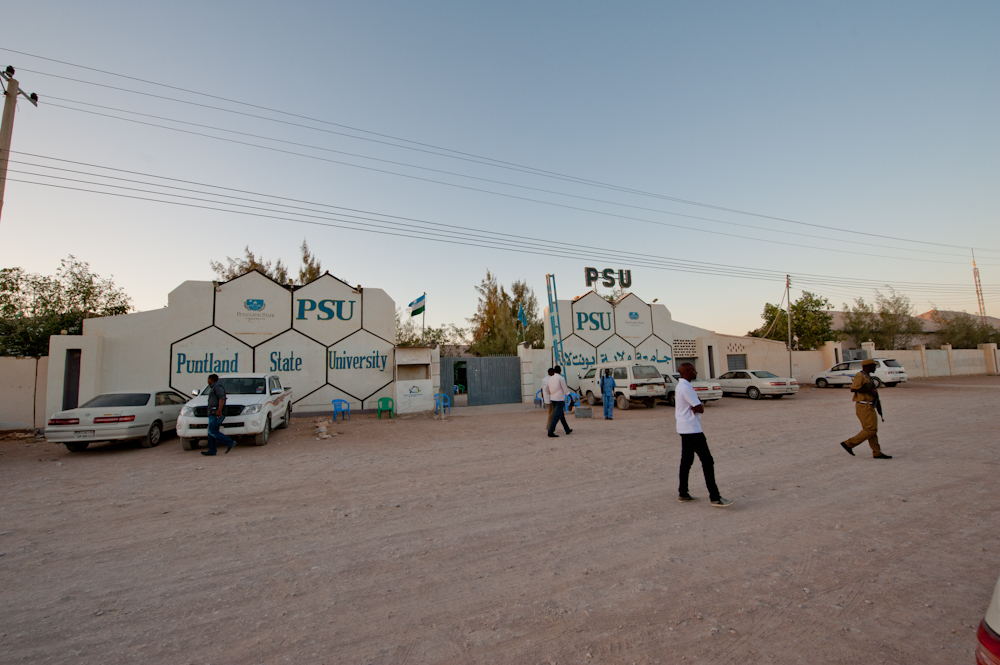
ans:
x=255 y=403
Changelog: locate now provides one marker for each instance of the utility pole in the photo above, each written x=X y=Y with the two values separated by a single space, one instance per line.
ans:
x=11 y=91
x=979 y=290
x=788 y=301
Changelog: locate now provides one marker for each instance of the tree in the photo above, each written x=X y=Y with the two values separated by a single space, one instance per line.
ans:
x=963 y=330
x=495 y=327
x=311 y=268
x=240 y=266
x=408 y=333
x=33 y=307
x=811 y=323
x=889 y=322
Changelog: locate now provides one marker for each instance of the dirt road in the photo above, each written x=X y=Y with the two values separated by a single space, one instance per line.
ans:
x=479 y=540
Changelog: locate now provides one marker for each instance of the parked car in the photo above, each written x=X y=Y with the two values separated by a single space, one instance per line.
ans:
x=887 y=371
x=117 y=416
x=254 y=404
x=755 y=383
x=988 y=650
x=633 y=382
x=707 y=391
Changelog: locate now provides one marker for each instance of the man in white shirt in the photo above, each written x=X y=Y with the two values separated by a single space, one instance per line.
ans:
x=546 y=400
x=557 y=393
x=687 y=410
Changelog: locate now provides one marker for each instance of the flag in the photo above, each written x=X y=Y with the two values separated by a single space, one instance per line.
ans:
x=417 y=306
x=521 y=317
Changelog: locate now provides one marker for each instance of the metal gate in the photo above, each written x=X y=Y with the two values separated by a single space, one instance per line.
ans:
x=492 y=380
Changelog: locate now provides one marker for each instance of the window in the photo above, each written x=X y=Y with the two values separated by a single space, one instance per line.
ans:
x=117 y=399
x=892 y=363
x=742 y=375
x=240 y=386
x=620 y=374
x=177 y=399
x=839 y=368
x=163 y=399
x=765 y=375
x=646 y=372
x=274 y=385
x=737 y=361
x=590 y=374
x=855 y=365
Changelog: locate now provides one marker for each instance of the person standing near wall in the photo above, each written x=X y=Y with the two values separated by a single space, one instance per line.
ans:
x=868 y=409
x=687 y=411
x=608 y=395
x=557 y=393
x=546 y=398
x=216 y=414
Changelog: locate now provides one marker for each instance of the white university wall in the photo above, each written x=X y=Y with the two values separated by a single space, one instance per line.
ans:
x=327 y=340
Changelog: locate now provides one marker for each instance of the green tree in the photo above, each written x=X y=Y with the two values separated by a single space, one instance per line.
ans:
x=963 y=330
x=495 y=327
x=278 y=271
x=889 y=322
x=33 y=307
x=811 y=323
x=311 y=268
x=408 y=333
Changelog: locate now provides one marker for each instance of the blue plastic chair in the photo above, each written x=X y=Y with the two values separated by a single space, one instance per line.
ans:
x=441 y=401
x=572 y=399
x=341 y=406
x=538 y=399
x=456 y=389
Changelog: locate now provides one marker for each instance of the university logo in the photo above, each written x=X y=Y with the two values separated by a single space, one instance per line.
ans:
x=254 y=305
x=414 y=390
x=634 y=316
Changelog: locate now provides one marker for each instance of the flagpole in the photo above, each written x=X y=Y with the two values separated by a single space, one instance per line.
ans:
x=423 y=319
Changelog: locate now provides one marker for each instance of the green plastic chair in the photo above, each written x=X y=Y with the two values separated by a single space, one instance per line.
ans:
x=385 y=404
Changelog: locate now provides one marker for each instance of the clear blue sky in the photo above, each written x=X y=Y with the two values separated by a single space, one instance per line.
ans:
x=878 y=117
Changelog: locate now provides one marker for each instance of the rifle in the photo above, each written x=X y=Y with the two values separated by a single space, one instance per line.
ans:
x=877 y=400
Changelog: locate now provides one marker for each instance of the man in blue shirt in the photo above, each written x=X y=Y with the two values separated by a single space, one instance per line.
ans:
x=608 y=394
x=216 y=414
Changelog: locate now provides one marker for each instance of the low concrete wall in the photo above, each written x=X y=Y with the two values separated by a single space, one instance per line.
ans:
x=911 y=360
x=968 y=361
x=937 y=363
x=22 y=392
x=535 y=365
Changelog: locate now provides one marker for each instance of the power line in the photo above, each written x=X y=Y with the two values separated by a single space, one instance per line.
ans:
x=466 y=154
x=503 y=194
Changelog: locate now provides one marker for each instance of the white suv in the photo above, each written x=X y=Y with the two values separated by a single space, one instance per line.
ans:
x=887 y=371
x=633 y=382
x=254 y=404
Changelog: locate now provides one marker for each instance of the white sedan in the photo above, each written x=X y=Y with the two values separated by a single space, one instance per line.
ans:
x=143 y=415
x=887 y=371
x=707 y=391
x=755 y=383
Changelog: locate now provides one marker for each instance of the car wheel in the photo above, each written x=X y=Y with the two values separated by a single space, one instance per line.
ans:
x=822 y=383
x=152 y=438
x=877 y=382
x=893 y=384
x=650 y=402
x=777 y=396
x=77 y=447
x=261 y=439
x=753 y=392
x=188 y=444
x=288 y=416
x=591 y=400
x=622 y=402
x=670 y=400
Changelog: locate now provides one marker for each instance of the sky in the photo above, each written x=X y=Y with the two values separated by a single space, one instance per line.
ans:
x=861 y=138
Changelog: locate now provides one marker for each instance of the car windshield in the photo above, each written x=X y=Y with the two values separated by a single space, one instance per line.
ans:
x=891 y=363
x=240 y=386
x=117 y=399
x=646 y=372
x=765 y=375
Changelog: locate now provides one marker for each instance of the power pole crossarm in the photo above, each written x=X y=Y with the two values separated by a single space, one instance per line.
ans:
x=11 y=92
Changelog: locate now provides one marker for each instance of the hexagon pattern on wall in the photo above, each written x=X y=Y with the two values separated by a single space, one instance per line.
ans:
x=210 y=351
x=298 y=361
x=379 y=314
x=658 y=352
x=327 y=309
x=633 y=319
x=593 y=319
x=360 y=364
x=578 y=357
x=615 y=350
x=253 y=308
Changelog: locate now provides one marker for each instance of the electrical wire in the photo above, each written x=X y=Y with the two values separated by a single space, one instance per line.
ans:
x=496 y=162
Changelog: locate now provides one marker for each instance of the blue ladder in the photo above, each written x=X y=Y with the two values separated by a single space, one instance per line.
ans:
x=557 y=347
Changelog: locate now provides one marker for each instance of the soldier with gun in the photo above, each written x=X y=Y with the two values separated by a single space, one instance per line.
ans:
x=866 y=405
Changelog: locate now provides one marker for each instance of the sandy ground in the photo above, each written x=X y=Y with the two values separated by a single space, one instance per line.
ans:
x=479 y=540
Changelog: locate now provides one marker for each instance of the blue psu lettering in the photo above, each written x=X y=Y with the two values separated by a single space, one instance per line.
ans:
x=207 y=365
x=375 y=360
x=327 y=309
x=289 y=364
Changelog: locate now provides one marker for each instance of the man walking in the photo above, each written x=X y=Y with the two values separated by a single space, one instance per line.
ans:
x=608 y=395
x=557 y=393
x=865 y=401
x=216 y=414
x=687 y=411
x=547 y=400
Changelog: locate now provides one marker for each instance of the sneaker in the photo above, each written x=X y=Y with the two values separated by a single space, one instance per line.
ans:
x=883 y=456
x=722 y=503
x=847 y=448
x=205 y=452
x=568 y=432
x=684 y=498
x=554 y=436
x=229 y=447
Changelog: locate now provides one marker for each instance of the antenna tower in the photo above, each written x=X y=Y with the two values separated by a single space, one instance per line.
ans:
x=979 y=290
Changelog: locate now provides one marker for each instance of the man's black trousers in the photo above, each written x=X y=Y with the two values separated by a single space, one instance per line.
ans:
x=691 y=445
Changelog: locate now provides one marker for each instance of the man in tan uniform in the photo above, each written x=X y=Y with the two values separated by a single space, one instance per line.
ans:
x=865 y=396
